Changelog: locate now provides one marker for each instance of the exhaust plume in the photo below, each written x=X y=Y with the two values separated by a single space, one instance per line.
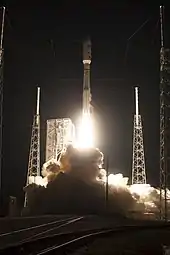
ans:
x=76 y=184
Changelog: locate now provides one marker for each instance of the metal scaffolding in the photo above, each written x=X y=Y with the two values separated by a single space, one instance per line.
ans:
x=60 y=132
x=34 y=154
x=164 y=124
x=1 y=91
x=138 y=162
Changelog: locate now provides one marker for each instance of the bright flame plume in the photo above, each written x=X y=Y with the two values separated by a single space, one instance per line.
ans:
x=85 y=132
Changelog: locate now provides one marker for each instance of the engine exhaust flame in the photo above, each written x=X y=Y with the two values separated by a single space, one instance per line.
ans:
x=85 y=132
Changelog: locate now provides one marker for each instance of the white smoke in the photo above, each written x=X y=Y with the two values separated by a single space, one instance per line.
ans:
x=85 y=165
x=147 y=197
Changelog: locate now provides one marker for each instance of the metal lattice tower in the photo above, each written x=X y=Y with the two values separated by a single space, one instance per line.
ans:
x=60 y=132
x=34 y=154
x=1 y=91
x=138 y=164
x=164 y=124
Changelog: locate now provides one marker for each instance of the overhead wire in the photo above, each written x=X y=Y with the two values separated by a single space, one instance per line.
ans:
x=138 y=30
x=128 y=40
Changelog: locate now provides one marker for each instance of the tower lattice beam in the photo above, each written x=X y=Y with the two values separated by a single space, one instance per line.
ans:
x=164 y=124
x=34 y=154
x=138 y=162
x=1 y=90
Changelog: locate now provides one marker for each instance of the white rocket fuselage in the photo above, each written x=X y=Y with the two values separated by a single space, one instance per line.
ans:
x=86 y=80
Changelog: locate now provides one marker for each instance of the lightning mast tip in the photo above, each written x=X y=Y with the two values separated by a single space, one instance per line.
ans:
x=162 y=25
x=2 y=27
x=38 y=104
x=137 y=105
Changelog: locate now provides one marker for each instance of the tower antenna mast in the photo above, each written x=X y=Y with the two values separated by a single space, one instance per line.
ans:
x=164 y=121
x=2 y=26
x=34 y=155
x=1 y=90
x=161 y=24
x=138 y=161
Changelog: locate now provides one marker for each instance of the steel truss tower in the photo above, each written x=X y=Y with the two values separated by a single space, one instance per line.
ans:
x=164 y=124
x=34 y=155
x=60 y=132
x=1 y=91
x=138 y=164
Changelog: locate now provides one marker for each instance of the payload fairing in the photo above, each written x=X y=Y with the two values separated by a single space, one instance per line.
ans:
x=86 y=80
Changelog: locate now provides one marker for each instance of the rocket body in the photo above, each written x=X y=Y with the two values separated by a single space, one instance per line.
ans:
x=86 y=80
x=85 y=139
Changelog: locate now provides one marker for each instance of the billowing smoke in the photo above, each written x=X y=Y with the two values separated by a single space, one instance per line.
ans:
x=77 y=184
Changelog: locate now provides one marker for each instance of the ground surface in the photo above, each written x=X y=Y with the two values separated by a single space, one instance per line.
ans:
x=146 y=242
x=150 y=241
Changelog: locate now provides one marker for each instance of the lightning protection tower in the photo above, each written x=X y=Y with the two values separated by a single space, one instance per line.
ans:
x=1 y=90
x=34 y=155
x=138 y=164
x=164 y=123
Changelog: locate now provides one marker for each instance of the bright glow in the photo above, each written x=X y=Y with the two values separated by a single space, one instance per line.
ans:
x=143 y=190
x=37 y=180
x=85 y=132
x=117 y=180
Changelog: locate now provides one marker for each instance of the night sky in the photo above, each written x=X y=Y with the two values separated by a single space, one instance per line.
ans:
x=43 y=45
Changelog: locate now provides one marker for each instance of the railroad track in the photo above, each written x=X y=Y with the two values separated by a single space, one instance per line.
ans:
x=32 y=233
x=82 y=240
x=66 y=243
x=47 y=244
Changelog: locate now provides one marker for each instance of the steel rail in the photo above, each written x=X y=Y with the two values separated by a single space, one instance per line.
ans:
x=34 y=227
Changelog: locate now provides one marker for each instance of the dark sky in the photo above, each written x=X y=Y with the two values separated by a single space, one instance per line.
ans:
x=43 y=46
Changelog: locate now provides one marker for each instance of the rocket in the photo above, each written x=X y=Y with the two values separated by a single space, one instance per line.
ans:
x=86 y=79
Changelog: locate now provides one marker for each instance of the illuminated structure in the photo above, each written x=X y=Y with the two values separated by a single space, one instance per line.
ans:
x=33 y=173
x=1 y=89
x=138 y=164
x=60 y=132
x=164 y=123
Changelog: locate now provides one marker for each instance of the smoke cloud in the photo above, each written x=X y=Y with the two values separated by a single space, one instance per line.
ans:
x=76 y=184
